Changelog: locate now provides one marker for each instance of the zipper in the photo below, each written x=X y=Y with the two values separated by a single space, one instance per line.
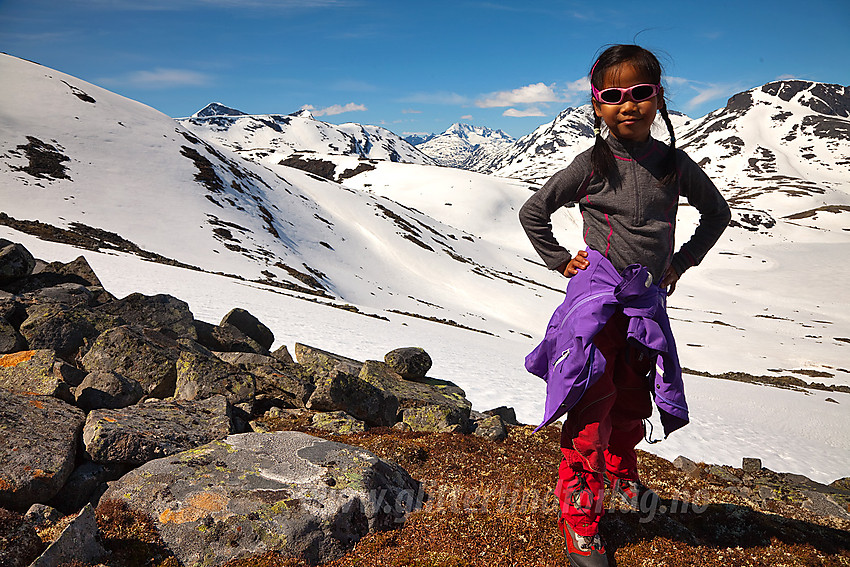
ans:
x=580 y=303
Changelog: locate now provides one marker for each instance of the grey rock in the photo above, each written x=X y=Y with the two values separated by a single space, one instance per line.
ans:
x=143 y=355
x=140 y=433
x=821 y=504
x=412 y=363
x=10 y=339
x=282 y=354
x=226 y=338
x=250 y=325
x=751 y=465
x=201 y=376
x=64 y=328
x=723 y=474
x=351 y=394
x=19 y=542
x=41 y=515
x=72 y=294
x=34 y=371
x=38 y=443
x=325 y=364
x=79 y=541
x=107 y=390
x=15 y=262
x=507 y=414
x=687 y=466
x=436 y=418
x=164 y=313
x=338 y=422
x=284 y=492
x=492 y=428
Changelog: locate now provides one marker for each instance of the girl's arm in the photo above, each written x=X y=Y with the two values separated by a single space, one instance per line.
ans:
x=714 y=214
x=535 y=215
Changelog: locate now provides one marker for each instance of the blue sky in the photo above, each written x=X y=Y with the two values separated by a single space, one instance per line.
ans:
x=420 y=66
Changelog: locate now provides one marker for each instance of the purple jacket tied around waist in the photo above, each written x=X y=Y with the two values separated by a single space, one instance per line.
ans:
x=569 y=361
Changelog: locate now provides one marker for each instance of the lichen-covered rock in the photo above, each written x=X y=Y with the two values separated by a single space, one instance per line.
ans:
x=155 y=429
x=436 y=418
x=34 y=371
x=338 y=422
x=41 y=515
x=250 y=325
x=10 y=339
x=202 y=375
x=325 y=364
x=226 y=338
x=64 y=328
x=412 y=363
x=412 y=394
x=107 y=390
x=282 y=354
x=351 y=394
x=492 y=428
x=143 y=355
x=286 y=381
x=284 y=492
x=87 y=482
x=15 y=261
x=71 y=294
x=507 y=414
x=38 y=444
x=162 y=312
x=78 y=542
x=19 y=542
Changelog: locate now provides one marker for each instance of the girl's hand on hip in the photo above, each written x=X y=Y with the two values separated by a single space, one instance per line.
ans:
x=580 y=262
x=669 y=280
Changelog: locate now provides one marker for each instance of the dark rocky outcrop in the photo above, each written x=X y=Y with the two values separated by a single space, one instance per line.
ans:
x=412 y=363
x=15 y=261
x=166 y=314
x=250 y=326
x=107 y=390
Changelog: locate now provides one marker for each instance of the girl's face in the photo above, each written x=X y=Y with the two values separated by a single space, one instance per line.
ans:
x=628 y=120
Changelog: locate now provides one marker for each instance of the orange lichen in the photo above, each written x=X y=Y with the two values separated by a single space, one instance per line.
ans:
x=16 y=358
x=196 y=507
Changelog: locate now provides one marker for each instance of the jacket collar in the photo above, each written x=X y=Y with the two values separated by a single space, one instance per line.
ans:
x=631 y=150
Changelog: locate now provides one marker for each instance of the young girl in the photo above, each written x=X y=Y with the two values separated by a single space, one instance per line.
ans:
x=608 y=349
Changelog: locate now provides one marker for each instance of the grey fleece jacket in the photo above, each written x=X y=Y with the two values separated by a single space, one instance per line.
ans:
x=634 y=221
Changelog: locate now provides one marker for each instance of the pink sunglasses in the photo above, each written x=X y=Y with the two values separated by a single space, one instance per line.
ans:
x=615 y=95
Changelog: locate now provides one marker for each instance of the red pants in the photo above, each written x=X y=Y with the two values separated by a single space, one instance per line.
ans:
x=602 y=430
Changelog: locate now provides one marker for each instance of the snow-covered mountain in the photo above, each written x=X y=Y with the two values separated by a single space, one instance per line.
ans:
x=434 y=257
x=780 y=150
x=537 y=156
x=416 y=139
x=466 y=146
x=270 y=138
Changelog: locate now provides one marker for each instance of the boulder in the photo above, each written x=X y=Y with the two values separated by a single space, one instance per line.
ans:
x=507 y=414
x=107 y=390
x=286 y=492
x=72 y=294
x=64 y=328
x=424 y=392
x=79 y=541
x=492 y=428
x=143 y=355
x=78 y=268
x=164 y=313
x=15 y=262
x=10 y=339
x=19 y=542
x=282 y=354
x=412 y=363
x=201 y=375
x=351 y=394
x=436 y=418
x=325 y=364
x=38 y=444
x=155 y=429
x=226 y=338
x=277 y=379
x=250 y=325
x=42 y=515
x=35 y=372
x=338 y=422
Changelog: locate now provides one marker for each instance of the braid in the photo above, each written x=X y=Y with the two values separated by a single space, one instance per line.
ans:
x=670 y=171
x=602 y=158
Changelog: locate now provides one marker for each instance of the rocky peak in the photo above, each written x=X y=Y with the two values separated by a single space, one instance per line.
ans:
x=304 y=113
x=217 y=109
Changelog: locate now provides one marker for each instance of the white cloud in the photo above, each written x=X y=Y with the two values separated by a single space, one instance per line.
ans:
x=160 y=78
x=411 y=111
x=466 y=117
x=335 y=109
x=530 y=94
x=514 y=113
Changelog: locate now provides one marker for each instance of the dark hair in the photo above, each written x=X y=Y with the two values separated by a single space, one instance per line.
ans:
x=647 y=64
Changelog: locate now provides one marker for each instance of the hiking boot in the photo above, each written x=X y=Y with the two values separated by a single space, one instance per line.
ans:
x=636 y=495
x=583 y=551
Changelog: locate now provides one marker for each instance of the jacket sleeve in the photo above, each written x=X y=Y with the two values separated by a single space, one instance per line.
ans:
x=701 y=193
x=535 y=215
